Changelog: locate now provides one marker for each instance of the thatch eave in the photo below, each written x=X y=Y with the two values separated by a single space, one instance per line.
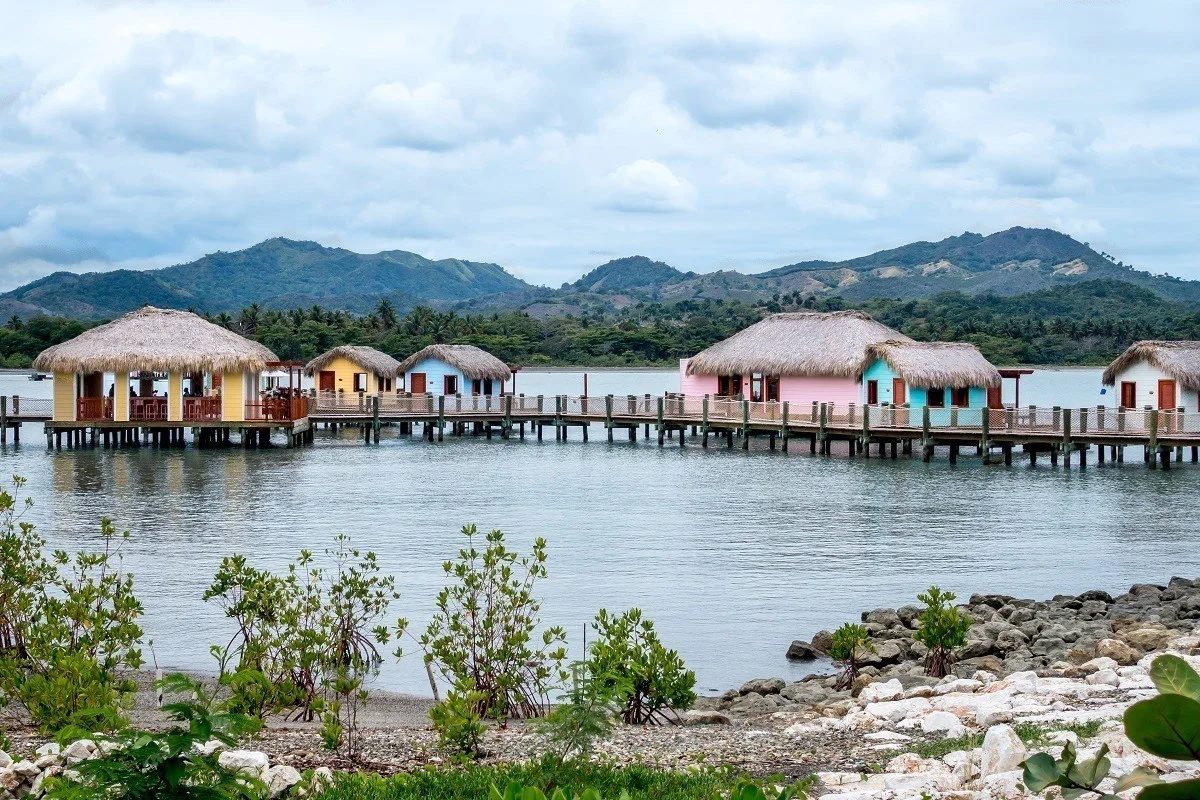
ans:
x=474 y=363
x=930 y=365
x=1179 y=359
x=374 y=361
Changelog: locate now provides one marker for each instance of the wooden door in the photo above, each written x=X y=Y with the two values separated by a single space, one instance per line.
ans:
x=993 y=397
x=327 y=382
x=872 y=393
x=1166 y=394
x=899 y=391
x=1128 y=394
x=450 y=384
x=773 y=388
x=417 y=383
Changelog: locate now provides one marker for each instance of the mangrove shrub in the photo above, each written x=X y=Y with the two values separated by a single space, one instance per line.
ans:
x=847 y=647
x=656 y=682
x=942 y=628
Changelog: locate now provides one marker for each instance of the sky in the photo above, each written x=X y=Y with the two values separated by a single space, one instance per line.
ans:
x=550 y=137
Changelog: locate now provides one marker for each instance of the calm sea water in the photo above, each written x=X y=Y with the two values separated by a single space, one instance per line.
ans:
x=732 y=554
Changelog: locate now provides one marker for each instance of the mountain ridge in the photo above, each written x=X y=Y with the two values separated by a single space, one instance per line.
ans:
x=281 y=273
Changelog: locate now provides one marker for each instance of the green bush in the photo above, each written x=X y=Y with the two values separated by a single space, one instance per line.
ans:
x=306 y=641
x=654 y=680
x=140 y=765
x=942 y=628
x=849 y=643
x=457 y=722
x=68 y=626
x=584 y=715
x=484 y=630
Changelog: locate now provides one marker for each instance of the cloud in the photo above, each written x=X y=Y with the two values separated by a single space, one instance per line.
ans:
x=647 y=185
x=537 y=134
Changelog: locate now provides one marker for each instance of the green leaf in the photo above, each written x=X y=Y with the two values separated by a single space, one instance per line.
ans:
x=1173 y=675
x=1040 y=772
x=1179 y=790
x=1138 y=777
x=1167 y=726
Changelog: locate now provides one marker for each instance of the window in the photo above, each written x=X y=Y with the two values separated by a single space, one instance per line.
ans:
x=385 y=384
x=756 y=387
x=487 y=385
x=450 y=384
x=961 y=397
x=729 y=385
x=936 y=398
x=360 y=381
x=476 y=386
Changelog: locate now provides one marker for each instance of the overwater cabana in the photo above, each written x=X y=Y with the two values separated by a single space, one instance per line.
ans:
x=353 y=368
x=104 y=379
x=1157 y=374
x=934 y=374
x=799 y=357
x=448 y=369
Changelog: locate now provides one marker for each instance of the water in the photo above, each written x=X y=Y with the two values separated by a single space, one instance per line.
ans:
x=733 y=554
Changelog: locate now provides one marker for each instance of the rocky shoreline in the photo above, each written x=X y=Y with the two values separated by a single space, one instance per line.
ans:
x=1034 y=675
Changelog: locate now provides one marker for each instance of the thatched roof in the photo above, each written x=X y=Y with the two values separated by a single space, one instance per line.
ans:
x=803 y=343
x=370 y=359
x=935 y=364
x=1180 y=360
x=156 y=340
x=473 y=363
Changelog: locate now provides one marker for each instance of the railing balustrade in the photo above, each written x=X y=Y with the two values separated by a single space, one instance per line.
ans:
x=93 y=408
x=198 y=409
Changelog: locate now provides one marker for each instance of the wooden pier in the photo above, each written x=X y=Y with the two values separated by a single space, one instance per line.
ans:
x=1057 y=433
x=998 y=435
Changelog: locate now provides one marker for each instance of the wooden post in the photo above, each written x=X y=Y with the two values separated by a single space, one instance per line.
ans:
x=608 y=403
x=1066 y=440
x=1153 y=446
x=821 y=427
x=926 y=440
x=661 y=427
x=3 y=418
x=814 y=411
x=441 y=417
x=1083 y=420
x=745 y=424
x=866 y=429
x=784 y=427
x=1120 y=419
x=704 y=426
x=985 y=423
x=504 y=431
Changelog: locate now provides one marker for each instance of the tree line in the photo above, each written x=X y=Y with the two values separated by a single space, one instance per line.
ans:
x=1084 y=323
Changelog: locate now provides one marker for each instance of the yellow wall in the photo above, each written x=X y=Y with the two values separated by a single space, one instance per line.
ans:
x=343 y=370
x=175 y=397
x=64 y=397
x=121 y=397
x=233 y=397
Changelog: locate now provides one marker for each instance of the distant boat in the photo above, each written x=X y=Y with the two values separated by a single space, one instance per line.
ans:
x=37 y=376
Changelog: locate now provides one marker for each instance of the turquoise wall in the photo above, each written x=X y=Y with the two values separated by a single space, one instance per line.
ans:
x=435 y=374
x=880 y=371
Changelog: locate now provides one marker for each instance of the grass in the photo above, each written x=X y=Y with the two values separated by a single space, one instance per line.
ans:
x=473 y=782
x=1031 y=733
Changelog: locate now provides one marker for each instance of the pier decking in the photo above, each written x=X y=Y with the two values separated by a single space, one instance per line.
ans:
x=1059 y=434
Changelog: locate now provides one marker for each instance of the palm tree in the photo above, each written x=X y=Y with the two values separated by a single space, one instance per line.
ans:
x=224 y=320
x=386 y=312
x=249 y=318
x=14 y=323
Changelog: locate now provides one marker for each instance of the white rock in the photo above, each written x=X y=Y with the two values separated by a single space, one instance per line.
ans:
x=1003 y=786
x=321 y=778
x=886 y=736
x=983 y=676
x=246 y=762
x=49 y=749
x=79 y=750
x=836 y=778
x=881 y=691
x=1135 y=682
x=26 y=768
x=962 y=765
x=958 y=685
x=1026 y=682
x=1105 y=676
x=1063 y=737
x=992 y=714
x=1097 y=664
x=1003 y=751
x=945 y=722
x=896 y=710
x=210 y=747
x=5 y=760
x=280 y=778
x=911 y=762
x=9 y=779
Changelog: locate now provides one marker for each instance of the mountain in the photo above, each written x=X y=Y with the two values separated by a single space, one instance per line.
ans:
x=282 y=274
x=277 y=273
x=1017 y=261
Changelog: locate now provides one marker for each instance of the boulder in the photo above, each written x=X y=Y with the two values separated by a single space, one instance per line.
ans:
x=882 y=691
x=280 y=778
x=753 y=703
x=26 y=769
x=805 y=692
x=9 y=779
x=800 y=650
x=1147 y=639
x=695 y=717
x=245 y=762
x=943 y=722
x=822 y=641
x=886 y=617
x=1003 y=751
x=896 y=710
x=5 y=760
x=1010 y=639
x=1101 y=662
x=763 y=686
x=1095 y=594
x=79 y=750
x=1104 y=676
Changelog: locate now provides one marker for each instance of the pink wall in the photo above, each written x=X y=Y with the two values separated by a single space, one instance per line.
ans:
x=842 y=391
x=696 y=385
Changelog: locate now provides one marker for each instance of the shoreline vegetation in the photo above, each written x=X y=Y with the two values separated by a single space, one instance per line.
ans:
x=1086 y=324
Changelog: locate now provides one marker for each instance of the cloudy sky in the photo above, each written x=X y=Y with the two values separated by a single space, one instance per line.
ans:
x=549 y=137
